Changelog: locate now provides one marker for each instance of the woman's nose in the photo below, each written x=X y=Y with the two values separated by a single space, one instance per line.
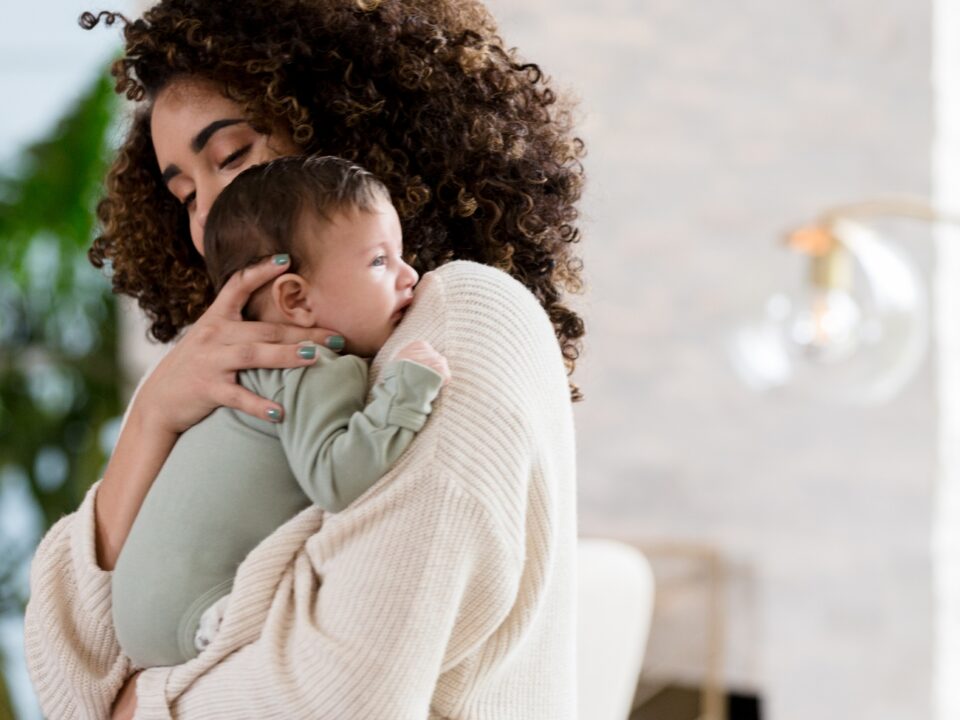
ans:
x=202 y=209
x=207 y=193
x=198 y=219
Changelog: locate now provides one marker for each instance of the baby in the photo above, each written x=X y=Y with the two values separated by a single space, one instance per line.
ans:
x=232 y=479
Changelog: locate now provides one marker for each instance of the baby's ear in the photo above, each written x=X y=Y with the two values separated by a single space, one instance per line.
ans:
x=290 y=298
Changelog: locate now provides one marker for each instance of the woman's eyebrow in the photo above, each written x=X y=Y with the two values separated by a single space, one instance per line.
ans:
x=168 y=174
x=202 y=137
x=199 y=142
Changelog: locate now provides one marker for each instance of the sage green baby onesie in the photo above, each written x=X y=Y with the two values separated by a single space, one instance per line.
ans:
x=232 y=479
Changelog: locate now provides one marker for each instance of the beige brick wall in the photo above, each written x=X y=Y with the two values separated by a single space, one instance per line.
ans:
x=712 y=127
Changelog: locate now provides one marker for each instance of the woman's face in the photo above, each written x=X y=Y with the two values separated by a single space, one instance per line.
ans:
x=202 y=142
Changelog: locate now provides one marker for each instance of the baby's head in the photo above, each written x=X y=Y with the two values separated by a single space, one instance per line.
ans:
x=336 y=222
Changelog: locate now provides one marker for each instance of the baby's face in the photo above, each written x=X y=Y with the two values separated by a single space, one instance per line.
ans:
x=359 y=285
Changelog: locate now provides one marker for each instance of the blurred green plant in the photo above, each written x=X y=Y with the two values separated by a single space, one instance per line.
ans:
x=60 y=394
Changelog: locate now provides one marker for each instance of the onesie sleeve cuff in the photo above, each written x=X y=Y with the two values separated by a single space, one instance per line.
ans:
x=412 y=388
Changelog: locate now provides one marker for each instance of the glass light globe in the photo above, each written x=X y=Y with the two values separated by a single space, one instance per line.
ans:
x=826 y=327
x=858 y=344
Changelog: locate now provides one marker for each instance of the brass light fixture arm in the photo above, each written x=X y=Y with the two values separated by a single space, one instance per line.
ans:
x=829 y=264
x=906 y=207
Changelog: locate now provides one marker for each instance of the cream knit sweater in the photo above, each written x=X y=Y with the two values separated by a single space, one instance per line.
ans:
x=446 y=591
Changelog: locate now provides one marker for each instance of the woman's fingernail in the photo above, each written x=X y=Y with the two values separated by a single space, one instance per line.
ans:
x=281 y=259
x=274 y=414
x=335 y=342
x=307 y=352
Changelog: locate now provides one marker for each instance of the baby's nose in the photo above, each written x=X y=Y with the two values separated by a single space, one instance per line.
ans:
x=412 y=276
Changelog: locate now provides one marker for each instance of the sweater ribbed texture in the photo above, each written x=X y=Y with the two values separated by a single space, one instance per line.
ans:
x=445 y=592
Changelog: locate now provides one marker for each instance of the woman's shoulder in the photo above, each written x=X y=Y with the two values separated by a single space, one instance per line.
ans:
x=465 y=280
x=503 y=353
x=505 y=416
x=481 y=318
x=486 y=303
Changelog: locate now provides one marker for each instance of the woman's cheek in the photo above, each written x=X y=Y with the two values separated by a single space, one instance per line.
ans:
x=196 y=234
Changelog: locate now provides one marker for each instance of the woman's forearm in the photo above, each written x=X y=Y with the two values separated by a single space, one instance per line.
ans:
x=140 y=452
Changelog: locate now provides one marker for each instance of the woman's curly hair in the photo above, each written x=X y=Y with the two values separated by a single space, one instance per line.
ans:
x=475 y=148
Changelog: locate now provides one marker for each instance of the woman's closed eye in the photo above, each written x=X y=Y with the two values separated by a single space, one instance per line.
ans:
x=233 y=157
x=229 y=162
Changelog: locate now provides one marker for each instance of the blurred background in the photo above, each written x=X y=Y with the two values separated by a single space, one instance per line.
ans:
x=776 y=440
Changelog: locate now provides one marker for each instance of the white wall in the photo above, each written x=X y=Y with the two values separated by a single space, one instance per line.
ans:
x=711 y=128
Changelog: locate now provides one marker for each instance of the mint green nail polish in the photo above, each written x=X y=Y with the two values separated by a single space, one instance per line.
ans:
x=281 y=259
x=307 y=352
x=335 y=342
x=274 y=414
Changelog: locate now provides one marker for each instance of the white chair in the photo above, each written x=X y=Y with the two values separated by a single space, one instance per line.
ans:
x=615 y=596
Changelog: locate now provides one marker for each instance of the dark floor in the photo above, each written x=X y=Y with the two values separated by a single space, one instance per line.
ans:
x=682 y=703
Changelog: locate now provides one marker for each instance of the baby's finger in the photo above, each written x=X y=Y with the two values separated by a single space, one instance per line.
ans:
x=243 y=283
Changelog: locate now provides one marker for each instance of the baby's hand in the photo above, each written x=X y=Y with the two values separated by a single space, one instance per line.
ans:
x=422 y=352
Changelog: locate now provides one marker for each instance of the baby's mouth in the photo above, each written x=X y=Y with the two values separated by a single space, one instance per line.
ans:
x=402 y=310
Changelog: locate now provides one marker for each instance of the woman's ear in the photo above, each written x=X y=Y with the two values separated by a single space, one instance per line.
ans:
x=291 y=299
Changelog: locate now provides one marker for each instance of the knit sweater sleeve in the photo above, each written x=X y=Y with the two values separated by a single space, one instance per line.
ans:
x=72 y=653
x=367 y=628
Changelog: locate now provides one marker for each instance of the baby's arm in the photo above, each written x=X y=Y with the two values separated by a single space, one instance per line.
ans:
x=336 y=446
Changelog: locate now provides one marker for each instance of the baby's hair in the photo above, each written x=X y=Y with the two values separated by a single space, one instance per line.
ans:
x=257 y=214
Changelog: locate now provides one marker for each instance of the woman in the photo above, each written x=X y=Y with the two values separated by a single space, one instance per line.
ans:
x=447 y=590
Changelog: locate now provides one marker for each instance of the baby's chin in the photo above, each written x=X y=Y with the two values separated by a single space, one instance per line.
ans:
x=366 y=349
x=373 y=347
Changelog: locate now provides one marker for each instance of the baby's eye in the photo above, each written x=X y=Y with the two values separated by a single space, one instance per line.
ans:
x=379 y=261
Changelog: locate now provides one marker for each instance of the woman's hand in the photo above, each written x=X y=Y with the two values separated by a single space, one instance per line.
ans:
x=126 y=703
x=200 y=373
